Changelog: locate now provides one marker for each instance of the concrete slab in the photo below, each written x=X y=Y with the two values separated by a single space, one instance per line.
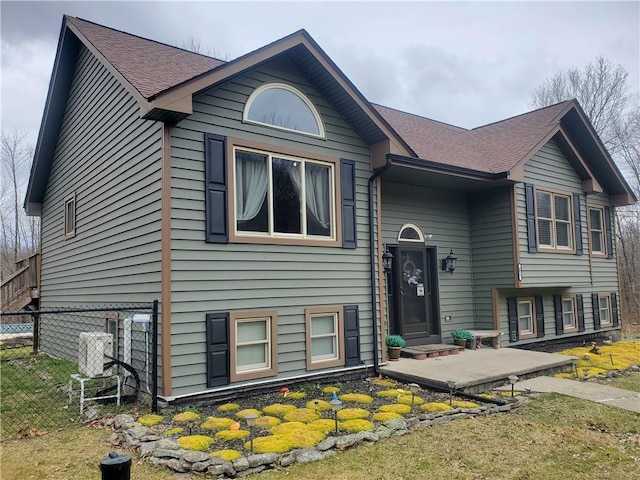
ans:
x=477 y=370
x=595 y=392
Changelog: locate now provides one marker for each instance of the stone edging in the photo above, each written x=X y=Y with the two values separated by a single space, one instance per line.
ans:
x=166 y=452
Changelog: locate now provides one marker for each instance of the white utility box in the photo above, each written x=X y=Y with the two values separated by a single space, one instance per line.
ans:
x=94 y=347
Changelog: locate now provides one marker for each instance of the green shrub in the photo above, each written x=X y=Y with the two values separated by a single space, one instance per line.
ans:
x=394 y=341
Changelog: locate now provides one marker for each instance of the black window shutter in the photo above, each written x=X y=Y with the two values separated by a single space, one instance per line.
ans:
x=614 y=309
x=348 y=189
x=351 y=335
x=217 y=349
x=596 y=311
x=531 y=217
x=512 y=312
x=539 y=317
x=557 y=306
x=577 y=219
x=609 y=227
x=580 y=306
x=215 y=189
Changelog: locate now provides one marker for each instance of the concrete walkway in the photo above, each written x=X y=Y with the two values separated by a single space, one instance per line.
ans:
x=595 y=392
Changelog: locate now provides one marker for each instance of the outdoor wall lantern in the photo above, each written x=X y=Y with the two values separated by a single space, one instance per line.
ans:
x=251 y=421
x=387 y=260
x=336 y=405
x=449 y=263
x=512 y=380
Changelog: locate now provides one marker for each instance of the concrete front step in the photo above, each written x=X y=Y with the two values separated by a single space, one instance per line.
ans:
x=422 y=352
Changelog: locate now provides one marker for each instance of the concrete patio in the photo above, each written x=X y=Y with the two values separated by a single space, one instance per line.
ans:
x=476 y=371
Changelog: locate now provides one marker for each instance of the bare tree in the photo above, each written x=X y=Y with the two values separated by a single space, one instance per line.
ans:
x=19 y=235
x=603 y=92
x=195 y=45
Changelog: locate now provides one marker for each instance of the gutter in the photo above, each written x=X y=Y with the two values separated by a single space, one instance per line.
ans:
x=372 y=263
x=451 y=169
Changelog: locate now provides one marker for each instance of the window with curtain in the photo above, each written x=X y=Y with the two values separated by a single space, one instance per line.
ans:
x=554 y=220
x=283 y=196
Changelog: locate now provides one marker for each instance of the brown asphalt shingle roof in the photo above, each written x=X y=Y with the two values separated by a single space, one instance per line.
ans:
x=151 y=67
x=493 y=148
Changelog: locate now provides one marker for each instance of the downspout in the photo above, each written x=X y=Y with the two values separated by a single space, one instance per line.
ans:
x=372 y=253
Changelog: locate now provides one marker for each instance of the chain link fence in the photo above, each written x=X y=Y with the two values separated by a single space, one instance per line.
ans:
x=63 y=364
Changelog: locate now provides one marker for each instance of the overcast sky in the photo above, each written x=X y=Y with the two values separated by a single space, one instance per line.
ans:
x=465 y=63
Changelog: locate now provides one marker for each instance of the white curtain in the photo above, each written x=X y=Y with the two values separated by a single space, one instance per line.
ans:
x=317 y=190
x=251 y=186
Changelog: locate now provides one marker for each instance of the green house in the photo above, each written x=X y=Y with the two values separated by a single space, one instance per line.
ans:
x=255 y=200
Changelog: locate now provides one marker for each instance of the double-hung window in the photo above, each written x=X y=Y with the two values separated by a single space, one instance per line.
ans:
x=253 y=345
x=604 y=306
x=283 y=196
x=526 y=318
x=596 y=231
x=325 y=339
x=569 y=314
x=553 y=216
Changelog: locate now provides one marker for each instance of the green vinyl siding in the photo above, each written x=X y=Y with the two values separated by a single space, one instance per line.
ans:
x=209 y=277
x=549 y=169
x=443 y=215
x=110 y=158
x=492 y=249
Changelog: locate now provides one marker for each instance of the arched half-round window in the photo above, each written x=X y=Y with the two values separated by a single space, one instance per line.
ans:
x=282 y=106
x=410 y=233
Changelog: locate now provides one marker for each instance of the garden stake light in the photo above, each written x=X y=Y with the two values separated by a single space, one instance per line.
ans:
x=512 y=380
x=336 y=405
x=452 y=385
x=251 y=421
x=413 y=387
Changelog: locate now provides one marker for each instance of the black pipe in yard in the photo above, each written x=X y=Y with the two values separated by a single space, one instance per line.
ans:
x=372 y=253
x=154 y=357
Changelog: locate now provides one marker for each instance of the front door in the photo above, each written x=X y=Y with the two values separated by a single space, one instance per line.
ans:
x=413 y=295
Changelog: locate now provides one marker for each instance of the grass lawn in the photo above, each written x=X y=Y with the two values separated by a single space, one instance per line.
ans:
x=630 y=381
x=551 y=437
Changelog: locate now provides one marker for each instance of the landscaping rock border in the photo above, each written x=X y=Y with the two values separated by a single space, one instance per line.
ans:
x=166 y=452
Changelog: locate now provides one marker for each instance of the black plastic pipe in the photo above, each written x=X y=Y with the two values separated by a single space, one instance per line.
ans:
x=372 y=261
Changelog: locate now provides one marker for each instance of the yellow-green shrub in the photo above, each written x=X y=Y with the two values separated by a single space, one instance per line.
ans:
x=217 y=423
x=384 y=416
x=230 y=435
x=281 y=443
x=279 y=409
x=288 y=427
x=150 y=419
x=390 y=393
x=330 y=389
x=228 y=455
x=435 y=407
x=356 y=398
x=381 y=382
x=174 y=431
x=320 y=405
x=463 y=404
x=304 y=415
x=267 y=421
x=406 y=400
x=398 y=408
x=247 y=411
x=185 y=417
x=353 y=413
x=296 y=395
x=323 y=425
x=196 y=442
x=357 y=425
x=228 y=407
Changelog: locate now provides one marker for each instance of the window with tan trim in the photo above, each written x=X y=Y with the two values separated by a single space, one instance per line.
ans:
x=70 y=216
x=282 y=196
x=597 y=242
x=569 y=313
x=254 y=345
x=526 y=318
x=554 y=221
x=604 y=306
x=324 y=337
